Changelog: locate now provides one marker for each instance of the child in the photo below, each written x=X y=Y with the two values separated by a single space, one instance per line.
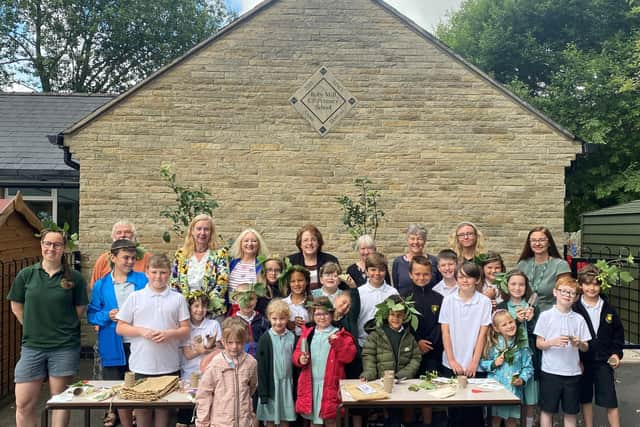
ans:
x=298 y=282
x=491 y=265
x=224 y=393
x=270 y=275
x=275 y=375
x=560 y=333
x=507 y=361
x=109 y=293
x=392 y=346
x=373 y=292
x=515 y=302
x=428 y=333
x=605 y=349
x=447 y=262
x=156 y=319
x=246 y=296
x=465 y=317
x=329 y=279
x=321 y=353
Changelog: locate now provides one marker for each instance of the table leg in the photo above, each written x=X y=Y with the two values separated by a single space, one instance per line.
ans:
x=523 y=414
x=87 y=417
x=44 y=417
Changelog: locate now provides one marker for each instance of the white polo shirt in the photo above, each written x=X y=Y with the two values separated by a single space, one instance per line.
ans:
x=159 y=311
x=209 y=327
x=594 y=312
x=444 y=290
x=464 y=320
x=369 y=298
x=553 y=323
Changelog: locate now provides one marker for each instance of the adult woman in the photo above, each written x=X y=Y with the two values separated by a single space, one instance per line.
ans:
x=122 y=229
x=309 y=242
x=48 y=298
x=416 y=239
x=244 y=252
x=466 y=241
x=357 y=271
x=543 y=265
x=200 y=264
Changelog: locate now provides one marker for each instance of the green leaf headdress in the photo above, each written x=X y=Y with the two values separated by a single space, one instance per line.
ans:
x=72 y=239
x=397 y=303
x=243 y=294
x=216 y=303
x=322 y=303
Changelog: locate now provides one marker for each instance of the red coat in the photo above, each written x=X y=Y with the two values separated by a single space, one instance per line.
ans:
x=342 y=352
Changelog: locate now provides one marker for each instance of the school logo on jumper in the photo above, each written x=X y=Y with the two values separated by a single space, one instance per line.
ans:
x=435 y=308
x=609 y=318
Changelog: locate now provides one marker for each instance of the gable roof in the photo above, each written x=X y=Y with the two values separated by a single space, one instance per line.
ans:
x=629 y=208
x=390 y=9
x=16 y=204
x=26 y=119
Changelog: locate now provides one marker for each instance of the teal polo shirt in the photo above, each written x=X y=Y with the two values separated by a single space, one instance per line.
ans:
x=50 y=320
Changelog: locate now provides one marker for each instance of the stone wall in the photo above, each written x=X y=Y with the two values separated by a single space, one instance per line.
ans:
x=441 y=143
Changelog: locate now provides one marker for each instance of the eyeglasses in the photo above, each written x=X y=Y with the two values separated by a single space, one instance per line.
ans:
x=330 y=275
x=567 y=293
x=273 y=270
x=321 y=314
x=465 y=235
x=538 y=241
x=54 y=245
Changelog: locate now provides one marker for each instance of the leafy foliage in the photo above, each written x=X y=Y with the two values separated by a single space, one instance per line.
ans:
x=611 y=272
x=407 y=305
x=362 y=216
x=190 y=202
x=578 y=61
x=98 y=45
x=50 y=225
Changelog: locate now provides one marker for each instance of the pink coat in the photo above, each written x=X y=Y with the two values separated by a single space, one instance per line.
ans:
x=224 y=394
x=343 y=351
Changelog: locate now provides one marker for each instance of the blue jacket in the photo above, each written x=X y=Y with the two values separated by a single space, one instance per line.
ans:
x=103 y=300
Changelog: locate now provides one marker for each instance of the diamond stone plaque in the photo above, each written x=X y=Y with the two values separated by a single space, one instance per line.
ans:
x=323 y=101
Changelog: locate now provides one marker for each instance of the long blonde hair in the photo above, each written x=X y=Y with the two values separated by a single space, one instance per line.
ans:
x=236 y=249
x=493 y=335
x=189 y=244
x=454 y=243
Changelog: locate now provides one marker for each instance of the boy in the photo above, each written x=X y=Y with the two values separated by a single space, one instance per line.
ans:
x=560 y=333
x=246 y=296
x=109 y=293
x=373 y=292
x=605 y=348
x=156 y=319
x=447 y=261
x=428 y=335
x=464 y=318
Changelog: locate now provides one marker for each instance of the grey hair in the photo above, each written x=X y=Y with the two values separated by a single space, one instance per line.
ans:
x=365 y=240
x=126 y=223
x=417 y=229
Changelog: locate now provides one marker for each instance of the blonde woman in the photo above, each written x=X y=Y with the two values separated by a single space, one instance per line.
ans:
x=467 y=241
x=244 y=253
x=200 y=264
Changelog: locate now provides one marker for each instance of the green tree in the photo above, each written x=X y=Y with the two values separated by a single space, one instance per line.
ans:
x=362 y=216
x=579 y=63
x=98 y=45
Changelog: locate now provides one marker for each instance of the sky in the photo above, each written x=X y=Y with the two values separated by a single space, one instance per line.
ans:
x=426 y=13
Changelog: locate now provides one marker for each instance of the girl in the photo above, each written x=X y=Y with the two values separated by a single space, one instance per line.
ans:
x=228 y=382
x=298 y=282
x=205 y=338
x=491 y=265
x=270 y=274
x=515 y=302
x=275 y=376
x=329 y=278
x=507 y=362
x=246 y=296
x=321 y=353
x=466 y=241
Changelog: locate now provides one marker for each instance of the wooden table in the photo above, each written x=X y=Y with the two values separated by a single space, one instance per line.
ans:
x=175 y=399
x=401 y=397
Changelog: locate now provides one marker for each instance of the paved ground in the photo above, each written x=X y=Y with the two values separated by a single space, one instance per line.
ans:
x=628 y=387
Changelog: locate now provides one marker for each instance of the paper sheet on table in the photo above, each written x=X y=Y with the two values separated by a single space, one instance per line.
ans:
x=378 y=393
x=443 y=393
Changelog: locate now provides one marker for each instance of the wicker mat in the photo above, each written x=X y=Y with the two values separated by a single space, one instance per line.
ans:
x=150 y=389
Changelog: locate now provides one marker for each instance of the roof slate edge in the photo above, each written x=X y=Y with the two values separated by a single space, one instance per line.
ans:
x=615 y=210
x=401 y=17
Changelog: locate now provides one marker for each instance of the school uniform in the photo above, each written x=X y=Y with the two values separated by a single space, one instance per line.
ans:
x=369 y=298
x=607 y=334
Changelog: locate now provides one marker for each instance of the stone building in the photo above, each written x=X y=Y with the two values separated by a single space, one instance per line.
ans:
x=441 y=140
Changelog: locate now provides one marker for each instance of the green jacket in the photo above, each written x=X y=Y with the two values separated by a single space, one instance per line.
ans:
x=378 y=356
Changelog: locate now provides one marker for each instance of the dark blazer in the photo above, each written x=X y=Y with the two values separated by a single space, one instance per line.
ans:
x=608 y=339
x=323 y=258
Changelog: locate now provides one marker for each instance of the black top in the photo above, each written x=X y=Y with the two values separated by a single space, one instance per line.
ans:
x=360 y=277
x=608 y=339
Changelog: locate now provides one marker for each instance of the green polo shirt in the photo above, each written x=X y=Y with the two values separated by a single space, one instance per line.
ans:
x=50 y=319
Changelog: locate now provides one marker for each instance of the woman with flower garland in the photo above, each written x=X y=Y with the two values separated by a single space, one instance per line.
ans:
x=201 y=265
x=48 y=298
